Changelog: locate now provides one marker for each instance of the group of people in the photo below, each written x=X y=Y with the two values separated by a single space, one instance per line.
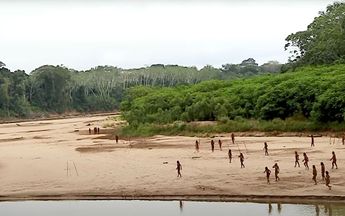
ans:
x=96 y=130
x=325 y=174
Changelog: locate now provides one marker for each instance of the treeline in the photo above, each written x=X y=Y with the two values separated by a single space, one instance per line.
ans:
x=59 y=89
x=315 y=93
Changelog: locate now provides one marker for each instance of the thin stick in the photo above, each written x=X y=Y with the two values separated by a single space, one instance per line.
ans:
x=245 y=146
x=75 y=169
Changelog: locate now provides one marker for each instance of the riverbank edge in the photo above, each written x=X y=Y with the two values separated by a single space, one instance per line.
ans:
x=308 y=199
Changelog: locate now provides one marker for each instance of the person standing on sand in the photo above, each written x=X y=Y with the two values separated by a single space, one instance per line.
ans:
x=306 y=160
x=328 y=180
x=220 y=144
x=268 y=173
x=90 y=131
x=312 y=141
x=212 y=145
x=297 y=159
x=230 y=155
x=233 y=138
x=266 y=148
x=116 y=139
x=334 y=160
x=276 y=171
x=196 y=145
x=322 y=171
x=179 y=168
x=343 y=139
x=242 y=160
x=314 y=174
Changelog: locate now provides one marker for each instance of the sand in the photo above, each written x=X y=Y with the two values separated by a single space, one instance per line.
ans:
x=58 y=159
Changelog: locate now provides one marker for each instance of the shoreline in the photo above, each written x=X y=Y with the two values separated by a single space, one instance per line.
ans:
x=308 y=199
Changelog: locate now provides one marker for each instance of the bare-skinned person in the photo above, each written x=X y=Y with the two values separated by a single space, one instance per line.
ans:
x=268 y=173
x=305 y=160
x=328 y=180
x=242 y=160
x=334 y=160
x=266 y=149
x=196 y=145
x=179 y=168
x=212 y=145
x=314 y=174
x=116 y=139
x=233 y=138
x=312 y=140
x=323 y=170
x=220 y=144
x=297 y=159
x=230 y=155
x=276 y=171
x=90 y=131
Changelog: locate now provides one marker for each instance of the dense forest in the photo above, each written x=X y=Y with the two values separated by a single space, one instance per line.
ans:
x=311 y=92
x=57 y=89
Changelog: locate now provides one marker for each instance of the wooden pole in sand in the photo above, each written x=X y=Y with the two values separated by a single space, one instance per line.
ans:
x=67 y=168
x=75 y=169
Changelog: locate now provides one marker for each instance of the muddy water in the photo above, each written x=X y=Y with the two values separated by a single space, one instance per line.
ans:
x=165 y=208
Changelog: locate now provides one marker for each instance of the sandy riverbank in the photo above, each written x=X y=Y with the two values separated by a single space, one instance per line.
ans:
x=34 y=158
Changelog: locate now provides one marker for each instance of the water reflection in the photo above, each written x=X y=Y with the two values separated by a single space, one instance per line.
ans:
x=166 y=208
x=181 y=206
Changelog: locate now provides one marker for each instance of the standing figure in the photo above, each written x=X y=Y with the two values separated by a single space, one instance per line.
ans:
x=212 y=145
x=89 y=130
x=179 y=168
x=233 y=138
x=328 y=180
x=98 y=130
x=268 y=173
x=306 y=160
x=266 y=148
x=197 y=145
x=220 y=144
x=241 y=160
x=297 y=159
x=230 y=155
x=276 y=171
x=343 y=139
x=314 y=174
x=323 y=171
x=334 y=160
x=116 y=139
x=95 y=130
x=312 y=140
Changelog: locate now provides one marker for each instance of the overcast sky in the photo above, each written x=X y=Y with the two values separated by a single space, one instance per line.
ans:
x=135 y=33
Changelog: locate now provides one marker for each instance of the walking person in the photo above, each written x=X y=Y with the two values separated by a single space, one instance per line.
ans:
x=230 y=155
x=328 y=180
x=220 y=144
x=268 y=173
x=196 y=145
x=297 y=159
x=242 y=160
x=323 y=171
x=276 y=171
x=233 y=138
x=305 y=160
x=314 y=174
x=312 y=141
x=266 y=148
x=116 y=139
x=212 y=145
x=179 y=168
x=334 y=160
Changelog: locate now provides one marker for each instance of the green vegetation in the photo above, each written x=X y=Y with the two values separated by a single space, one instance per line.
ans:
x=57 y=89
x=314 y=94
x=324 y=40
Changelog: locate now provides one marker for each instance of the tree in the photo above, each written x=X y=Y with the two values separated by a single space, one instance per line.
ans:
x=324 y=40
x=2 y=64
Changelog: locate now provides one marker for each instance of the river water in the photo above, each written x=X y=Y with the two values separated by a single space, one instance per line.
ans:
x=165 y=208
